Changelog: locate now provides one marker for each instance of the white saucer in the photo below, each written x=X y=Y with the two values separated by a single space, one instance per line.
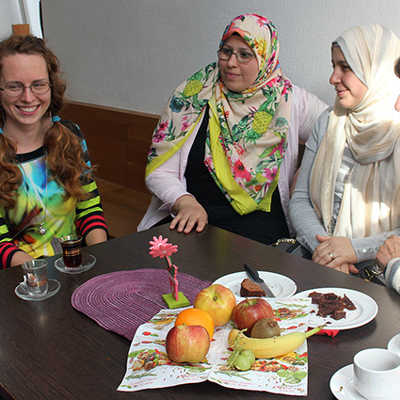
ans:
x=394 y=344
x=341 y=384
x=88 y=260
x=54 y=287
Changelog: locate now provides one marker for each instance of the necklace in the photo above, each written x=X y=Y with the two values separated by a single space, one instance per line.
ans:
x=42 y=225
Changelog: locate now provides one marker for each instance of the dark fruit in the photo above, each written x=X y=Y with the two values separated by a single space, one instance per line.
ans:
x=265 y=328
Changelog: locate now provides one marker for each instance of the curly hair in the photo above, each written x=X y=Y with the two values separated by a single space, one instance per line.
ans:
x=63 y=148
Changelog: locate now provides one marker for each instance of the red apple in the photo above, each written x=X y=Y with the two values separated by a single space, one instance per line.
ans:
x=187 y=343
x=248 y=311
x=218 y=301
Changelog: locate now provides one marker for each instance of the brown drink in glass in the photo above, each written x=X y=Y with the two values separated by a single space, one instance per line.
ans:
x=71 y=247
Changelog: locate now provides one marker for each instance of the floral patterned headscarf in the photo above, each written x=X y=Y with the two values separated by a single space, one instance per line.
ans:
x=246 y=137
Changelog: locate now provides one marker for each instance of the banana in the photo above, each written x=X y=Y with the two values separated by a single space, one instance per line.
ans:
x=269 y=347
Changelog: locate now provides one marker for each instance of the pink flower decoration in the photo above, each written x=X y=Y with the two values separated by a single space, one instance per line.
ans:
x=240 y=171
x=161 y=248
x=185 y=123
x=239 y=148
x=270 y=173
x=163 y=125
x=158 y=137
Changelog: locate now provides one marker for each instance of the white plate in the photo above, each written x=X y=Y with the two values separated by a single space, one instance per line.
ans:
x=394 y=344
x=341 y=384
x=366 y=309
x=280 y=285
x=88 y=260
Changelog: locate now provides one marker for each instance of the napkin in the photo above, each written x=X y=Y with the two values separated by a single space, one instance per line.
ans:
x=328 y=332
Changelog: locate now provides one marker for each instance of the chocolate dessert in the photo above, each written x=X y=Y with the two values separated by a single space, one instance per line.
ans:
x=249 y=288
x=331 y=305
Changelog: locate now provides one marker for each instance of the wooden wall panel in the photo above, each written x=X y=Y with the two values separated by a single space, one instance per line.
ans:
x=118 y=141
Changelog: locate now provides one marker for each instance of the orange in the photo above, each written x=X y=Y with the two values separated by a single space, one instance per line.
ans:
x=195 y=316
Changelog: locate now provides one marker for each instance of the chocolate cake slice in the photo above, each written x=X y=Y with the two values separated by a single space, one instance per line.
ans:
x=249 y=288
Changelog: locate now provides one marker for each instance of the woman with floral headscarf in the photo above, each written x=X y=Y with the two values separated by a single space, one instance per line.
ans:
x=229 y=138
x=346 y=201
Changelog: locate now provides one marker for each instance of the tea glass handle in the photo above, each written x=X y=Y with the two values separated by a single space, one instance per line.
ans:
x=23 y=283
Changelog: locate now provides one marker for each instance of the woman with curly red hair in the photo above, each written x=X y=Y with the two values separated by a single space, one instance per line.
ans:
x=46 y=186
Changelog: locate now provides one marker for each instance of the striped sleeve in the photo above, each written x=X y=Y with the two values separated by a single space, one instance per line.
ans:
x=89 y=212
x=7 y=247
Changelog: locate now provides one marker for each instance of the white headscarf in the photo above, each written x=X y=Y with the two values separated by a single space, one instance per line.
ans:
x=370 y=203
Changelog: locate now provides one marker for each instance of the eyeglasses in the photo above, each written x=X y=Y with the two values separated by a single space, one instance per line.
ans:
x=242 y=56
x=15 y=89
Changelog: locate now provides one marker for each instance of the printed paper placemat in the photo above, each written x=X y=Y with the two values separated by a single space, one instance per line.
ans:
x=148 y=366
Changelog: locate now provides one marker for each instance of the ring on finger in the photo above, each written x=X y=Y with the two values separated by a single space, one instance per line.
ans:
x=332 y=255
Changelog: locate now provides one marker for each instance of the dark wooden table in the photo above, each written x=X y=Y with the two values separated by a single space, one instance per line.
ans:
x=48 y=350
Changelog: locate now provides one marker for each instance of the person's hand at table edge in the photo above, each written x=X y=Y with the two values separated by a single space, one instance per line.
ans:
x=335 y=252
x=19 y=258
x=389 y=250
x=188 y=213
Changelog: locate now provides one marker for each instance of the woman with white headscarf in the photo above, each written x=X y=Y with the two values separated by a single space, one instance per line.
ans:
x=346 y=201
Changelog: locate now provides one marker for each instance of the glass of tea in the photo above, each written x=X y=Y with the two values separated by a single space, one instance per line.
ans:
x=35 y=277
x=71 y=247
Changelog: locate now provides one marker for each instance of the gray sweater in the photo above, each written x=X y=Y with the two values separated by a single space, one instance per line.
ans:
x=303 y=217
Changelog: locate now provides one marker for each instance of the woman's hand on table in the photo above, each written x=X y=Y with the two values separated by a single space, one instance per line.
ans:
x=96 y=236
x=188 y=213
x=19 y=258
x=335 y=252
x=389 y=250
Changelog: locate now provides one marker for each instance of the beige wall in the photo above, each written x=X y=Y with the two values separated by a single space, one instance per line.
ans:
x=19 y=12
x=10 y=13
x=132 y=53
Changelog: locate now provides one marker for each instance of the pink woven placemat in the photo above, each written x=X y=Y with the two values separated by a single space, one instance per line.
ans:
x=121 y=301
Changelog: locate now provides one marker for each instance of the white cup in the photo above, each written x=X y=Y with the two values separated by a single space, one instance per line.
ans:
x=377 y=374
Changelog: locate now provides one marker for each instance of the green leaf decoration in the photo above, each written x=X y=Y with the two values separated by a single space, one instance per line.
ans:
x=239 y=128
x=300 y=374
x=135 y=353
x=139 y=376
x=283 y=373
x=197 y=76
x=266 y=152
x=194 y=369
x=237 y=374
x=192 y=87
x=260 y=178
x=292 y=380
x=261 y=121
x=252 y=136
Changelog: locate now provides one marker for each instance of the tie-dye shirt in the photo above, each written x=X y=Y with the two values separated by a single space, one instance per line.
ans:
x=40 y=200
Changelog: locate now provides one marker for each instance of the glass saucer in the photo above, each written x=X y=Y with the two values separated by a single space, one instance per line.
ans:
x=88 y=260
x=54 y=287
